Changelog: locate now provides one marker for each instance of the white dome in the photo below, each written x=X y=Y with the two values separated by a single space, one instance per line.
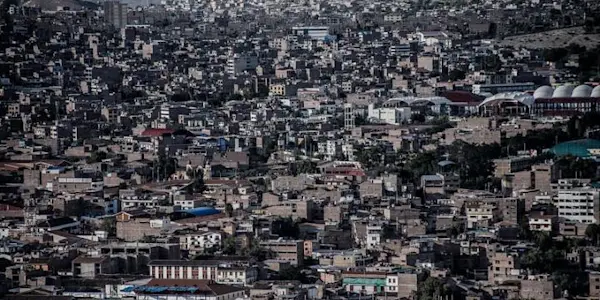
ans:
x=582 y=91
x=543 y=92
x=596 y=92
x=563 y=91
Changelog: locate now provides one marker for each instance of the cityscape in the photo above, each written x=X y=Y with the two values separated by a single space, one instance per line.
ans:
x=299 y=150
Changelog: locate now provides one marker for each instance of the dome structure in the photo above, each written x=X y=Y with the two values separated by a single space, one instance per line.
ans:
x=543 y=92
x=563 y=91
x=582 y=91
x=596 y=92
x=577 y=148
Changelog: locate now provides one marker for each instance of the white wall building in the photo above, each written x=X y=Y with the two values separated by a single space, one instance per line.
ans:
x=579 y=205
x=201 y=241
x=373 y=236
x=390 y=115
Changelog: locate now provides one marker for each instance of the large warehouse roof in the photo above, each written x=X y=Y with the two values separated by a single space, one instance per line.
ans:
x=577 y=148
x=519 y=97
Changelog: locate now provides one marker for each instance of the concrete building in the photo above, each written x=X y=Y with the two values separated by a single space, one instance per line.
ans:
x=313 y=32
x=502 y=266
x=511 y=165
x=538 y=287
x=297 y=209
x=578 y=205
x=225 y=272
x=594 y=283
x=403 y=284
x=542 y=221
x=286 y=250
x=92 y=267
x=389 y=115
x=480 y=214
x=238 y=63
x=348 y=116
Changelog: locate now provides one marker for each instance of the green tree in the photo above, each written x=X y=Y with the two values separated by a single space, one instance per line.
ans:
x=197 y=176
x=229 y=210
x=592 y=232
x=456 y=74
x=164 y=166
x=96 y=156
x=417 y=118
x=109 y=225
x=230 y=245
x=432 y=289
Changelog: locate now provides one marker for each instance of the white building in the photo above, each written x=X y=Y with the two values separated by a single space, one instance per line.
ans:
x=390 y=115
x=186 y=204
x=539 y=221
x=224 y=272
x=480 y=214
x=314 y=32
x=197 y=242
x=373 y=236
x=578 y=205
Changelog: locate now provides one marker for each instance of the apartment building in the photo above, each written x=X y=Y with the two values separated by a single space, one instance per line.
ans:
x=297 y=209
x=225 y=272
x=502 y=266
x=286 y=250
x=511 y=165
x=481 y=214
x=543 y=221
x=402 y=284
x=578 y=205
x=200 y=241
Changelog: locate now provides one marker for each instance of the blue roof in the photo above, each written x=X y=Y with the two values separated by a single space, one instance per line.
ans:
x=202 y=211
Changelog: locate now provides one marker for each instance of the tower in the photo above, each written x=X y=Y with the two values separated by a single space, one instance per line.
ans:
x=30 y=211
x=115 y=14
x=348 y=116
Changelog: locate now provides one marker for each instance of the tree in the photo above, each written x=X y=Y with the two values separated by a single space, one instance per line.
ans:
x=164 y=166
x=197 y=176
x=417 y=118
x=293 y=273
x=286 y=227
x=432 y=289
x=592 y=232
x=230 y=245
x=229 y=210
x=109 y=225
x=456 y=74
x=96 y=156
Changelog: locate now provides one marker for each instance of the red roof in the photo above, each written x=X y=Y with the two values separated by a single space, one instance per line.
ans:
x=462 y=96
x=157 y=131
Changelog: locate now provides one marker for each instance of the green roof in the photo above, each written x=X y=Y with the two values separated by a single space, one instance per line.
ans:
x=365 y=281
x=577 y=148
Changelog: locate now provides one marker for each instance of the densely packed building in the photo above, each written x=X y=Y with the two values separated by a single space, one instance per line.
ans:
x=299 y=150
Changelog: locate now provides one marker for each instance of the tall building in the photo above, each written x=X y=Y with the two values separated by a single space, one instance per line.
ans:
x=348 y=116
x=115 y=13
